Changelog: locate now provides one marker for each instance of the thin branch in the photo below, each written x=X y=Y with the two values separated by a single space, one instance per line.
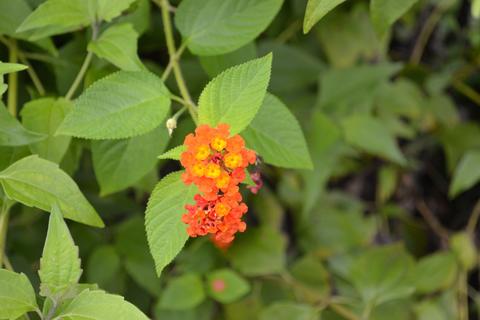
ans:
x=344 y=312
x=177 y=71
x=431 y=220
x=473 y=220
x=290 y=31
x=84 y=68
x=425 y=35
x=33 y=75
x=466 y=90
x=13 y=80
x=4 y=218
x=173 y=59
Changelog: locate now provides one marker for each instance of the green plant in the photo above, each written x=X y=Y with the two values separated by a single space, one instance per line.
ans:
x=152 y=125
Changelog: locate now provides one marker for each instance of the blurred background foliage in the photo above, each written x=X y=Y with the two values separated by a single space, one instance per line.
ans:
x=383 y=228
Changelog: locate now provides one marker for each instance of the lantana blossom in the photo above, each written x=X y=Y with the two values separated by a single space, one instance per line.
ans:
x=216 y=162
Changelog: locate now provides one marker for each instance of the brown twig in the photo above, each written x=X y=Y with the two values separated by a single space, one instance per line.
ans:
x=473 y=220
x=432 y=220
x=425 y=35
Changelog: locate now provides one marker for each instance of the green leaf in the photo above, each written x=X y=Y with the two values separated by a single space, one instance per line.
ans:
x=12 y=133
x=355 y=38
x=39 y=183
x=122 y=105
x=174 y=296
x=213 y=27
x=173 y=154
x=259 y=252
x=60 y=264
x=235 y=96
x=435 y=272
x=140 y=18
x=381 y=274
x=276 y=135
x=459 y=140
x=335 y=230
x=387 y=183
x=12 y=14
x=118 y=45
x=476 y=8
x=288 y=311
x=463 y=246
x=351 y=89
x=119 y=164
x=385 y=12
x=104 y=268
x=11 y=67
x=226 y=286
x=214 y=65
x=293 y=69
x=44 y=116
x=109 y=9
x=310 y=272
x=166 y=233
x=9 y=155
x=131 y=243
x=204 y=311
x=467 y=173
x=16 y=295
x=316 y=10
x=58 y=16
x=370 y=135
x=98 y=305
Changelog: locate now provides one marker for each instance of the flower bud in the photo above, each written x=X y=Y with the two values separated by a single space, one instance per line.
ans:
x=171 y=125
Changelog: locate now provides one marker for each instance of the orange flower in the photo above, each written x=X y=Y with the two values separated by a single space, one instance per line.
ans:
x=215 y=162
x=220 y=217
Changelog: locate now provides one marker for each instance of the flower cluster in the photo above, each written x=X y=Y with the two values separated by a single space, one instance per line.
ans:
x=215 y=163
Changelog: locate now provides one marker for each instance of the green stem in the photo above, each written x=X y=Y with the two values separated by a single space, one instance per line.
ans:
x=425 y=34
x=177 y=71
x=467 y=91
x=84 y=68
x=178 y=99
x=13 y=80
x=80 y=75
x=175 y=58
x=368 y=310
x=463 y=296
x=33 y=75
x=4 y=217
x=179 y=113
x=344 y=312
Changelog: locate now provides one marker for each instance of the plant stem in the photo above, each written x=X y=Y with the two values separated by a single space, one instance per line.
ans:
x=467 y=91
x=4 y=217
x=463 y=296
x=7 y=263
x=432 y=221
x=52 y=310
x=179 y=113
x=344 y=312
x=473 y=220
x=33 y=75
x=178 y=99
x=291 y=30
x=425 y=34
x=177 y=56
x=84 y=68
x=13 y=80
x=177 y=71
x=80 y=75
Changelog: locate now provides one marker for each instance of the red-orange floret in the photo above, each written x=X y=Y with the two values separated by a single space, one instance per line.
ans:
x=216 y=163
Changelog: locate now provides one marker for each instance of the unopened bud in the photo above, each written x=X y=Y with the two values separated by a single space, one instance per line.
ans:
x=171 y=125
